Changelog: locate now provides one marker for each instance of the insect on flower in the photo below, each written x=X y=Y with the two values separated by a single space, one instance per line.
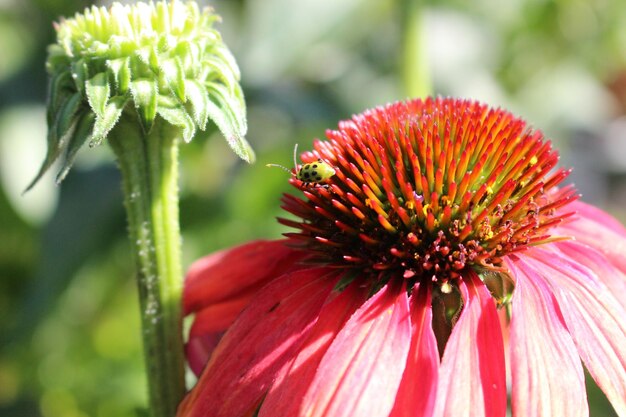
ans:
x=441 y=211
x=312 y=173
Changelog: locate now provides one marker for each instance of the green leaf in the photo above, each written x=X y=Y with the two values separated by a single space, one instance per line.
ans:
x=232 y=105
x=105 y=123
x=172 y=71
x=120 y=69
x=66 y=116
x=221 y=70
x=145 y=94
x=57 y=57
x=198 y=100
x=98 y=91
x=60 y=87
x=149 y=56
x=224 y=53
x=80 y=73
x=229 y=115
x=189 y=54
x=175 y=114
x=58 y=133
x=82 y=133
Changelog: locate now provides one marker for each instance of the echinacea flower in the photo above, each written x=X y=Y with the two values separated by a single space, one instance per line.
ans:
x=147 y=63
x=144 y=78
x=442 y=245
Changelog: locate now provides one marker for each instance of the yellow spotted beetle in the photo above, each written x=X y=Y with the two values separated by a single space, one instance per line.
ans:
x=312 y=173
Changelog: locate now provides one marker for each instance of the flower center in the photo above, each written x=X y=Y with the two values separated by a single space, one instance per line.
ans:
x=425 y=189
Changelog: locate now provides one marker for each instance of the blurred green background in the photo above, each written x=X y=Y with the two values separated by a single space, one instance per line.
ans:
x=69 y=328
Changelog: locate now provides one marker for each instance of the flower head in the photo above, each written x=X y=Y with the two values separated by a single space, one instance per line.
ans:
x=442 y=226
x=428 y=189
x=146 y=61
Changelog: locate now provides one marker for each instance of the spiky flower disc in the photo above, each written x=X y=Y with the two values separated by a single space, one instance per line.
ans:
x=426 y=189
x=148 y=61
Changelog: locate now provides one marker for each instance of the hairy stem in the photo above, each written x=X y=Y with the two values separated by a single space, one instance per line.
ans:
x=149 y=166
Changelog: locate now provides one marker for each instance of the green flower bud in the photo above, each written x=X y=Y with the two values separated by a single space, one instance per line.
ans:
x=145 y=61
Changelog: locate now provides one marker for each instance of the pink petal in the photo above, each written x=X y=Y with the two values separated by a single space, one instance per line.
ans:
x=599 y=230
x=198 y=350
x=208 y=327
x=610 y=276
x=362 y=369
x=593 y=317
x=547 y=375
x=231 y=272
x=217 y=317
x=600 y=216
x=418 y=388
x=472 y=372
x=264 y=338
x=506 y=339
x=287 y=392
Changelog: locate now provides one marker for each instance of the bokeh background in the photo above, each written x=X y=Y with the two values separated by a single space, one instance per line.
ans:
x=69 y=328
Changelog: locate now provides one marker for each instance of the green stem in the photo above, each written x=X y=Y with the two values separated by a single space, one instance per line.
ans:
x=415 y=70
x=149 y=165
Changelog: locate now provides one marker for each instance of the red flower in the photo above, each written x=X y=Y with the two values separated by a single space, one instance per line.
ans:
x=441 y=231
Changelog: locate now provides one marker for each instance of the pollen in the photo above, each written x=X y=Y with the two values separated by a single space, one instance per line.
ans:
x=426 y=189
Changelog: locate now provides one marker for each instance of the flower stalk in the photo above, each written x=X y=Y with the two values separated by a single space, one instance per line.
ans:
x=150 y=172
x=145 y=78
